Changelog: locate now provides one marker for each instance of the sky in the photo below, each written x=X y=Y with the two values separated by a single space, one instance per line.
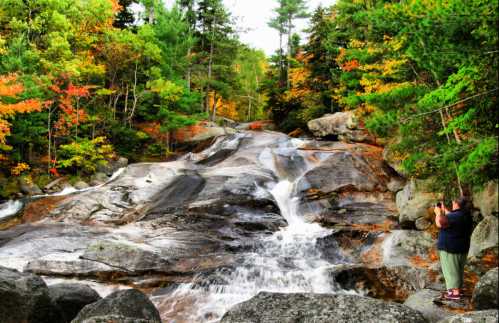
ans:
x=252 y=17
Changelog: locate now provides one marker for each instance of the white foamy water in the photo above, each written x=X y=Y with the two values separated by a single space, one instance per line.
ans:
x=10 y=208
x=286 y=262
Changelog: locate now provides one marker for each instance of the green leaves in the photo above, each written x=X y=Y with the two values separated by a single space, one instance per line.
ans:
x=85 y=154
x=480 y=165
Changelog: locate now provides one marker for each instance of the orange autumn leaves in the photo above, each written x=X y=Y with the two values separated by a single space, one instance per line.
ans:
x=11 y=104
x=64 y=97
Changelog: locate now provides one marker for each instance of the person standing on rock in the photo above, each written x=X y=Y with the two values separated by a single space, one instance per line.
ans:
x=453 y=244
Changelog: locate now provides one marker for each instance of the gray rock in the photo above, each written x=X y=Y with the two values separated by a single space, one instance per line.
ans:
x=78 y=268
x=387 y=282
x=115 y=319
x=485 y=294
x=487 y=200
x=57 y=185
x=422 y=224
x=342 y=124
x=210 y=133
x=414 y=202
x=99 y=178
x=128 y=305
x=489 y=316
x=28 y=187
x=485 y=236
x=125 y=257
x=422 y=301
x=400 y=246
x=71 y=298
x=25 y=298
x=287 y=308
x=120 y=163
x=396 y=184
x=108 y=167
x=80 y=185
x=105 y=167
x=340 y=171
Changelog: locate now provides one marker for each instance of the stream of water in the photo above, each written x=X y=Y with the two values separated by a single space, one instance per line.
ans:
x=287 y=261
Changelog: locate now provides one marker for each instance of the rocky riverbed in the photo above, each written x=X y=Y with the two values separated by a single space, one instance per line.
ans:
x=298 y=227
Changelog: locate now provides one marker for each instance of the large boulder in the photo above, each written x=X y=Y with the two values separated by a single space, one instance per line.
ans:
x=28 y=187
x=71 y=298
x=126 y=257
x=128 y=305
x=489 y=316
x=422 y=301
x=287 y=308
x=487 y=200
x=394 y=283
x=349 y=184
x=485 y=294
x=414 y=202
x=207 y=133
x=483 y=252
x=111 y=166
x=25 y=298
x=343 y=125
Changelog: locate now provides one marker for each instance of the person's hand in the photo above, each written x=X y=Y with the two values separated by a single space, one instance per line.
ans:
x=437 y=210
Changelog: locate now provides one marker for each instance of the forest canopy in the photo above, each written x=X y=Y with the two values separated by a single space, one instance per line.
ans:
x=83 y=81
x=421 y=75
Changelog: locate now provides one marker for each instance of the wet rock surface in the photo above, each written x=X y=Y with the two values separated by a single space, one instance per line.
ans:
x=214 y=228
x=123 y=306
x=269 y=307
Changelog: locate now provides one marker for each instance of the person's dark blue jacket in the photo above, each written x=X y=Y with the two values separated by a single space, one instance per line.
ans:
x=455 y=237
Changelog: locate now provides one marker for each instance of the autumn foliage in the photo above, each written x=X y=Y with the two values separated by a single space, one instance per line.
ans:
x=11 y=104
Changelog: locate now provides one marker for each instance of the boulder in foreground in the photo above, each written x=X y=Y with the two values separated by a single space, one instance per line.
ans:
x=489 y=316
x=486 y=291
x=25 y=298
x=71 y=298
x=287 y=308
x=128 y=305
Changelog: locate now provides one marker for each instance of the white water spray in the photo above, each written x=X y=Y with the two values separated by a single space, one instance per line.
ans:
x=286 y=262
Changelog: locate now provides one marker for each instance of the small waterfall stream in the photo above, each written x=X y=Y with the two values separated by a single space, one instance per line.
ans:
x=287 y=261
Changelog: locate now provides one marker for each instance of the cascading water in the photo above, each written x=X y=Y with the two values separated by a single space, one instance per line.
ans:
x=287 y=262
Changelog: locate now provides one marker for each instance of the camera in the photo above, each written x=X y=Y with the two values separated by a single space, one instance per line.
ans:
x=439 y=205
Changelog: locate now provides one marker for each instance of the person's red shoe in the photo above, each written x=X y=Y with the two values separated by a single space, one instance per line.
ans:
x=451 y=296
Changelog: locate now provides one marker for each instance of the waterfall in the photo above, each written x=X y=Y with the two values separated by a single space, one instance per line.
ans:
x=286 y=261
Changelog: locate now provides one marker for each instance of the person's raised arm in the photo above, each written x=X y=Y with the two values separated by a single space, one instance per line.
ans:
x=441 y=218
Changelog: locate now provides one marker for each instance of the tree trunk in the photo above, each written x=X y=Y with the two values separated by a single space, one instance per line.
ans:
x=288 y=83
x=210 y=63
x=214 y=115
x=77 y=116
x=135 y=97
x=189 y=69
x=281 y=61
x=49 y=128
x=126 y=105
x=151 y=15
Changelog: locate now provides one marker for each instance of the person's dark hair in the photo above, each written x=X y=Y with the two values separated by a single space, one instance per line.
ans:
x=462 y=201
